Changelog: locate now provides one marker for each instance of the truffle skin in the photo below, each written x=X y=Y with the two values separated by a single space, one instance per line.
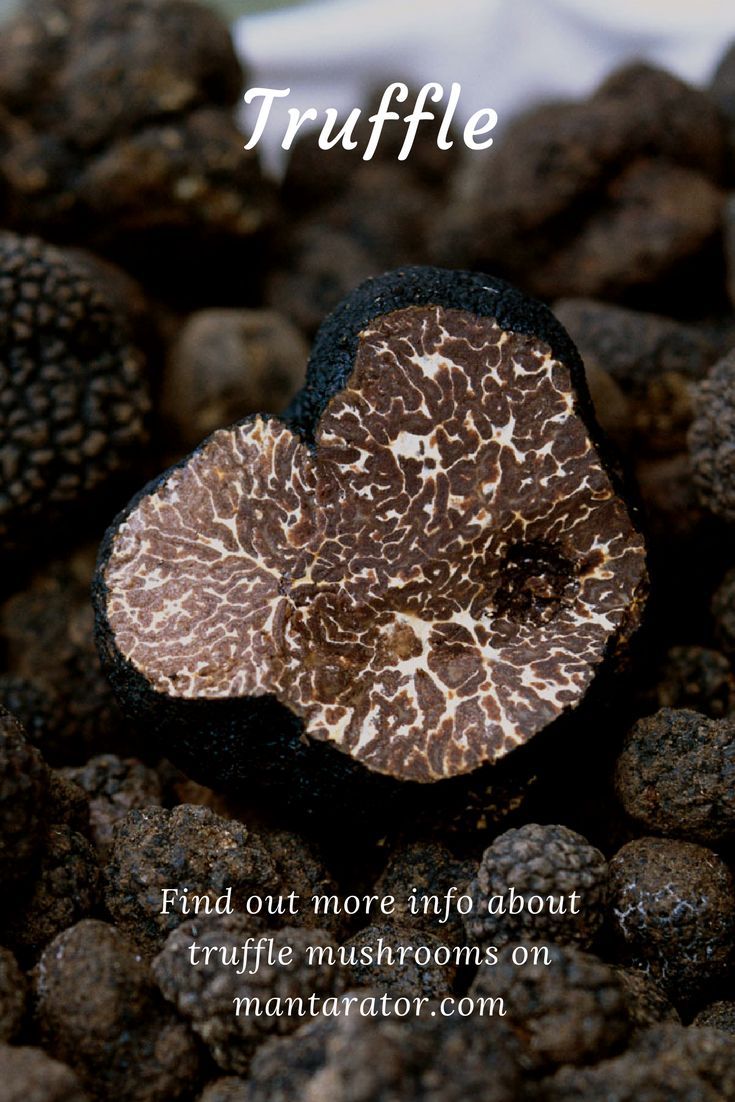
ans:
x=114 y=786
x=718 y=1015
x=545 y=861
x=712 y=439
x=346 y=555
x=399 y=979
x=571 y=1011
x=672 y=906
x=97 y=1009
x=12 y=996
x=23 y=785
x=65 y=889
x=646 y=1000
x=186 y=848
x=73 y=397
x=675 y=775
x=204 y=994
x=29 y=1075
x=709 y=1052
x=430 y=869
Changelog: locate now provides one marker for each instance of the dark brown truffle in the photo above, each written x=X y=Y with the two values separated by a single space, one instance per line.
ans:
x=723 y=612
x=646 y=999
x=672 y=905
x=717 y=1015
x=572 y=1010
x=426 y=869
x=391 y=959
x=29 y=1075
x=229 y=1088
x=12 y=996
x=205 y=994
x=698 y=678
x=675 y=775
x=631 y=1078
x=73 y=396
x=712 y=439
x=538 y=862
x=406 y=590
x=189 y=850
x=97 y=1009
x=23 y=785
x=114 y=786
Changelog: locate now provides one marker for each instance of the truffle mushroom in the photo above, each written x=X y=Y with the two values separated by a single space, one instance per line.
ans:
x=12 y=996
x=712 y=439
x=29 y=1075
x=23 y=788
x=422 y=567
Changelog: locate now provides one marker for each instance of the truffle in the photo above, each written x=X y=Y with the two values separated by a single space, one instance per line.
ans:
x=672 y=906
x=384 y=957
x=73 y=396
x=631 y=1078
x=698 y=678
x=97 y=1009
x=12 y=996
x=712 y=439
x=717 y=1015
x=114 y=786
x=23 y=787
x=205 y=993
x=426 y=869
x=541 y=864
x=188 y=849
x=675 y=775
x=29 y=1075
x=429 y=560
x=646 y=1000
x=571 y=1010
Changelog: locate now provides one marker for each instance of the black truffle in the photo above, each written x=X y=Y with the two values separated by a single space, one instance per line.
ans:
x=712 y=439
x=698 y=678
x=672 y=905
x=114 y=786
x=426 y=869
x=406 y=591
x=73 y=397
x=675 y=775
x=717 y=1015
x=23 y=787
x=384 y=957
x=29 y=1075
x=544 y=866
x=12 y=996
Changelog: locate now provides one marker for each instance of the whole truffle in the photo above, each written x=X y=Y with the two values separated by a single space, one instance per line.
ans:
x=384 y=957
x=12 y=996
x=426 y=869
x=554 y=872
x=709 y=1052
x=571 y=1010
x=646 y=999
x=23 y=786
x=672 y=906
x=697 y=678
x=73 y=396
x=404 y=602
x=676 y=775
x=30 y=1075
x=205 y=994
x=712 y=439
x=188 y=849
x=114 y=786
x=717 y=1015
x=97 y=1009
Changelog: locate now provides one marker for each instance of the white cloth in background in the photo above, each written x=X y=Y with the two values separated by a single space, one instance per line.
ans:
x=506 y=54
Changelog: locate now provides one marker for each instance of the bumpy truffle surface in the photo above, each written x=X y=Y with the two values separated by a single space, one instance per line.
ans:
x=673 y=908
x=23 y=785
x=646 y=1000
x=386 y=970
x=114 y=786
x=98 y=1010
x=675 y=775
x=541 y=861
x=570 y=1011
x=29 y=1075
x=189 y=848
x=712 y=439
x=425 y=869
x=72 y=393
x=399 y=587
x=204 y=994
x=718 y=1015
x=12 y=996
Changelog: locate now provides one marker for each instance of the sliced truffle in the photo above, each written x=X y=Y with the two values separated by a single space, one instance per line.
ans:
x=559 y=878
x=424 y=567
x=675 y=775
x=73 y=396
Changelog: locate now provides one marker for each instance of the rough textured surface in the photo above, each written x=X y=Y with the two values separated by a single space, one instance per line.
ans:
x=672 y=905
x=97 y=1009
x=12 y=996
x=426 y=869
x=114 y=786
x=29 y=1075
x=73 y=395
x=384 y=941
x=646 y=999
x=226 y=364
x=712 y=439
x=185 y=848
x=408 y=664
x=630 y=1078
x=718 y=1015
x=676 y=775
x=23 y=785
x=538 y=860
x=709 y=1052
x=204 y=994
x=571 y=1011
x=230 y=1088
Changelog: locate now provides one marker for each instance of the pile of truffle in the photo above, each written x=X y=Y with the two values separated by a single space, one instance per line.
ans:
x=171 y=289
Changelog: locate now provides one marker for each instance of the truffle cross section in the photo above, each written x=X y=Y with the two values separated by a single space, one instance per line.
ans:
x=429 y=585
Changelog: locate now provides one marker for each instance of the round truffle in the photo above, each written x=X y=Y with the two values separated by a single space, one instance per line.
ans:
x=73 y=394
x=426 y=870
x=675 y=775
x=383 y=956
x=422 y=567
x=23 y=787
x=558 y=878
x=646 y=999
x=698 y=678
x=672 y=906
